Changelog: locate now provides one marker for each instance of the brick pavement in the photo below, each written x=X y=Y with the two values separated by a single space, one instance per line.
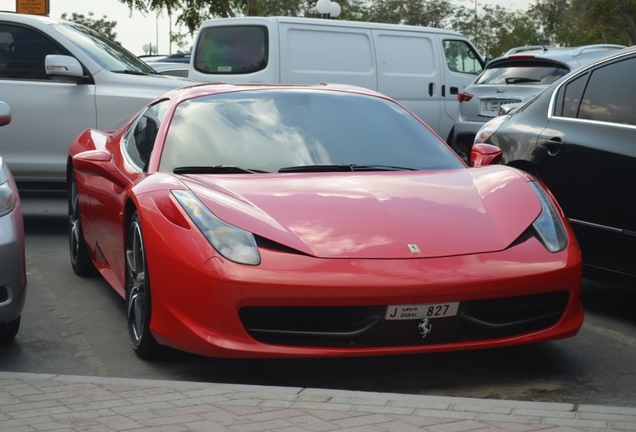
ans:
x=32 y=402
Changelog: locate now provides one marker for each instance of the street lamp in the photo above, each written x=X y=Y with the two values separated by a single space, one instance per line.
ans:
x=324 y=8
x=335 y=10
x=150 y=48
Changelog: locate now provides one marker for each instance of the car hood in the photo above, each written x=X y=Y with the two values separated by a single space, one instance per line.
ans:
x=415 y=214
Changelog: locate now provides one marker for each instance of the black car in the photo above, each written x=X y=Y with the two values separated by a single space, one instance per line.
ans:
x=579 y=137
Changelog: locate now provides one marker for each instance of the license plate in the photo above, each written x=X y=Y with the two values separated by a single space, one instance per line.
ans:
x=492 y=105
x=421 y=311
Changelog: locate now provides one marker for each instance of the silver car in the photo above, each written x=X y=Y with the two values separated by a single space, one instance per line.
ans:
x=61 y=78
x=12 y=268
x=514 y=78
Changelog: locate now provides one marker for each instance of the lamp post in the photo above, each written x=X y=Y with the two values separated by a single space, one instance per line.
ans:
x=150 y=48
x=335 y=10
x=328 y=8
x=324 y=8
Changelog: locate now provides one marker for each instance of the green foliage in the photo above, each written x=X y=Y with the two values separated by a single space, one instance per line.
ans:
x=493 y=29
x=101 y=25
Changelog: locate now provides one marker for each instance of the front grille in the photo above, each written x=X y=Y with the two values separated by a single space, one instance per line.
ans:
x=365 y=326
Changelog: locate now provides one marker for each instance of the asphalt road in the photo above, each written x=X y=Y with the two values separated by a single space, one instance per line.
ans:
x=77 y=326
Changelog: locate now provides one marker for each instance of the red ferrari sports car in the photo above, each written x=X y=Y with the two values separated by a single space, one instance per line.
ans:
x=308 y=221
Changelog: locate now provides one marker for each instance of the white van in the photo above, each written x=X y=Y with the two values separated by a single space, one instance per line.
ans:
x=422 y=68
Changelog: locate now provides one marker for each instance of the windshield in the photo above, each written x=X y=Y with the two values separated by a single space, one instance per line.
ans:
x=272 y=130
x=106 y=53
x=522 y=72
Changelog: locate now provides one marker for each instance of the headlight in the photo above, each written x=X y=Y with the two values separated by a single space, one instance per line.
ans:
x=232 y=242
x=488 y=129
x=7 y=198
x=548 y=225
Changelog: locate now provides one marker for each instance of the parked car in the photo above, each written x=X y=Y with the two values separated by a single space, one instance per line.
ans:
x=514 y=78
x=61 y=78
x=170 y=58
x=171 y=68
x=13 y=280
x=308 y=221
x=579 y=138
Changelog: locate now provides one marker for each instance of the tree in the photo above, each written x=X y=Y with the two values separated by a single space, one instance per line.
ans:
x=495 y=30
x=103 y=25
x=429 y=13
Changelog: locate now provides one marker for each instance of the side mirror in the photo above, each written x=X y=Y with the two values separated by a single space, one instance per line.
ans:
x=100 y=163
x=508 y=108
x=5 y=114
x=485 y=154
x=63 y=67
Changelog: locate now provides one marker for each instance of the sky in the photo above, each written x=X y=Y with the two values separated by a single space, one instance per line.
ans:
x=136 y=30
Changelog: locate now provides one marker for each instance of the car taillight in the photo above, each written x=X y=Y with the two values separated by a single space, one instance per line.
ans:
x=464 y=97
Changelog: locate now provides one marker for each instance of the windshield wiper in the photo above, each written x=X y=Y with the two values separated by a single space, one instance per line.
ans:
x=131 y=72
x=217 y=169
x=517 y=80
x=341 y=168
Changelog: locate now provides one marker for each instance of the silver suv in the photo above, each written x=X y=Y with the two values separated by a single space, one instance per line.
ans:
x=60 y=78
x=514 y=78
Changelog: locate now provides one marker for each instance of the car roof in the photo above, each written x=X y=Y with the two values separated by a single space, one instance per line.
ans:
x=28 y=18
x=572 y=57
x=196 y=90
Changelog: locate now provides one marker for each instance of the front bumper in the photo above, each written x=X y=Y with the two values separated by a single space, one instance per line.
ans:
x=298 y=306
x=12 y=266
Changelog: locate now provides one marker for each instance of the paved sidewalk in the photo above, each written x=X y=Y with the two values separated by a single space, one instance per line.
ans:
x=32 y=402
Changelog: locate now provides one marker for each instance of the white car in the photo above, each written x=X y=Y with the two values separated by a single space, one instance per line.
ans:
x=515 y=78
x=60 y=78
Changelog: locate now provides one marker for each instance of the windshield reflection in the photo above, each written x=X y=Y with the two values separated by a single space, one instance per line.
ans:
x=105 y=52
x=270 y=129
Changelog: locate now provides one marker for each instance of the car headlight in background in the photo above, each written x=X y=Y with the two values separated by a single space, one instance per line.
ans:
x=548 y=225
x=7 y=194
x=232 y=242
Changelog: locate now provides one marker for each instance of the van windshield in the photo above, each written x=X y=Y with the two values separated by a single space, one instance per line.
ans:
x=108 y=54
x=231 y=50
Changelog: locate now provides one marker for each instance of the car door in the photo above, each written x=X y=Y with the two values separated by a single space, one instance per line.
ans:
x=587 y=156
x=47 y=114
x=408 y=65
x=107 y=199
x=463 y=65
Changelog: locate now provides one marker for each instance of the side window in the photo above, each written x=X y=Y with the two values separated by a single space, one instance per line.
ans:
x=462 y=57
x=140 y=138
x=609 y=96
x=231 y=50
x=569 y=97
x=22 y=53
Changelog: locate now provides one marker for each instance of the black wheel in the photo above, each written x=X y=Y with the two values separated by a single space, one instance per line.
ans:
x=9 y=330
x=80 y=259
x=138 y=293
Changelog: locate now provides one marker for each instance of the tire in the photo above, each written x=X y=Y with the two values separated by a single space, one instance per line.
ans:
x=9 y=330
x=80 y=259
x=138 y=303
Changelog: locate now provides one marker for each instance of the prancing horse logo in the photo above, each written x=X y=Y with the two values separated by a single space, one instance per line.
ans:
x=425 y=327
